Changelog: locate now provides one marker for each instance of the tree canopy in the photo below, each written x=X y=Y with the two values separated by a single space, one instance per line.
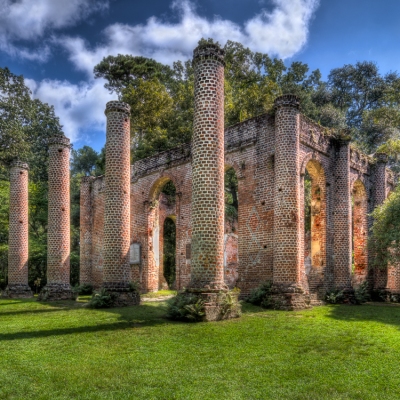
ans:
x=356 y=97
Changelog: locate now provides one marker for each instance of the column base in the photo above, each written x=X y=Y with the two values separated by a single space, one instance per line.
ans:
x=289 y=297
x=56 y=291
x=123 y=295
x=218 y=305
x=17 y=291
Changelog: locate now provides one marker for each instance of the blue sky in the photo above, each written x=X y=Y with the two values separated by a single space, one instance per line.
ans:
x=56 y=43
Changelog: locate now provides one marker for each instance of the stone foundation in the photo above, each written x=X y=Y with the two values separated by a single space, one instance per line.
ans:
x=123 y=295
x=56 y=291
x=17 y=292
x=216 y=305
x=289 y=298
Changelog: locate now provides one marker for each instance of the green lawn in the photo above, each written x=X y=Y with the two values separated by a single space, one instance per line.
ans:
x=65 y=351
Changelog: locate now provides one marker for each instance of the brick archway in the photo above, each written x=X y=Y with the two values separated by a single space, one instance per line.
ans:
x=359 y=232
x=314 y=261
x=160 y=207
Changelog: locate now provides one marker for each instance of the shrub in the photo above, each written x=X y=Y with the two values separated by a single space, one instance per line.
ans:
x=362 y=293
x=335 y=296
x=261 y=296
x=230 y=304
x=83 y=290
x=185 y=307
x=102 y=299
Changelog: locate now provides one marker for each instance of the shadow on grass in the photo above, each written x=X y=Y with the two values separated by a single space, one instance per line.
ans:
x=385 y=313
x=145 y=315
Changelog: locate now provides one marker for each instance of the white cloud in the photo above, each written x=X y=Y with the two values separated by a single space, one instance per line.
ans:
x=80 y=107
x=29 y=20
x=281 y=32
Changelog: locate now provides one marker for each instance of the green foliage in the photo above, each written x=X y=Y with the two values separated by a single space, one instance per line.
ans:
x=231 y=196
x=185 y=307
x=83 y=290
x=362 y=293
x=385 y=239
x=229 y=303
x=84 y=161
x=102 y=299
x=334 y=296
x=169 y=251
x=25 y=125
x=261 y=296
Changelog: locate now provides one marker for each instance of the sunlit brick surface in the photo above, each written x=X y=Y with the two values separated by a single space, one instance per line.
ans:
x=58 y=231
x=116 y=269
x=208 y=169
x=18 y=232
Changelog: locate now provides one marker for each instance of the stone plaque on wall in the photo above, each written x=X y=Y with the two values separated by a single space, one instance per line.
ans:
x=188 y=251
x=134 y=253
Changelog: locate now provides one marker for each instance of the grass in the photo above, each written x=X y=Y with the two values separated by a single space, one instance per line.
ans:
x=62 y=350
x=160 y=293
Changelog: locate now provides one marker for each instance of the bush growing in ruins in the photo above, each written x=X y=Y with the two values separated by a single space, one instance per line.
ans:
x=83 y=290
x=261 y=296
x=185 y=307
x=102 y=299
x=230 y=303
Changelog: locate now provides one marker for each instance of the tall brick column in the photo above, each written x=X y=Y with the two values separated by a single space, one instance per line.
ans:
x=116 y=267
x=58 y=232
x=342 y=217
x=380 y=188
x=18 y=233
x=85 y=260
x=287 y=289
x=208 y=205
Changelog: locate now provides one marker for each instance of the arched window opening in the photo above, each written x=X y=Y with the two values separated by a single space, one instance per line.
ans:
x=314 y=226
x=307 y=222
x=231 y=228
x=360 y=233
x=169 y=251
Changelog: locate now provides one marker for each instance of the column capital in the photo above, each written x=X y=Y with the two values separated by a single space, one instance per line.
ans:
x=381 y=158
x=209 y=51
x=59 y=140
x=19 y=164
x=118 y=106
x=287 y=100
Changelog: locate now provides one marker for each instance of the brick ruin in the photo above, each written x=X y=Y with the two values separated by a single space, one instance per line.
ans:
x=271 y=154
x=277 y=157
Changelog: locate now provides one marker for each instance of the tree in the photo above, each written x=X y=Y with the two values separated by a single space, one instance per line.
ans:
x=25 y=125
x=385 y=239
x=84 y=160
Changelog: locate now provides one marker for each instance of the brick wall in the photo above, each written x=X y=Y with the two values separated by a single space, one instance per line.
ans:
x=251 y=148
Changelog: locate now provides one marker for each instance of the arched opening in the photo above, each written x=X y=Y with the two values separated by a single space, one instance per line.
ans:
x=162 y=236
x=360 y=233
x=315 y=226
x=169 y=251
x=231 y=228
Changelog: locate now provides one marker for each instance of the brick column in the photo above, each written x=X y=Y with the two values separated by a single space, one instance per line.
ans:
x=342 y=217
x=380 y=189
x=18 y=233
x=86 y=220
x=58 y=231
x=287 y=289
x=208 y=205
x=116 y=268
